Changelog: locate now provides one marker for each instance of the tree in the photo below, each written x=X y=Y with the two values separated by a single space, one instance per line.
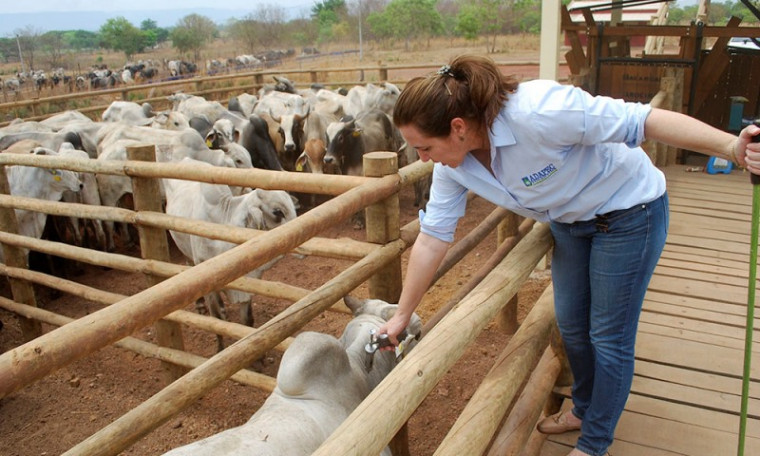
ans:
x=407 y=19
x=469 y=22
x=328 y=14
x=246 y=33
x=482 y=17
x=271 y=20
x=192 y=33
x=28 y=39
x=120 y=35
x=80 y=39
x=53 y=44
x=154 y=33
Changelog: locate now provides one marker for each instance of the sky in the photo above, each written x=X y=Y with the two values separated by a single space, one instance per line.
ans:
x=31 y=6
x=46 y=15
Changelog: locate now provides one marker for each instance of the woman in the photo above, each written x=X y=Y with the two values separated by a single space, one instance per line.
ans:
x=556 y=154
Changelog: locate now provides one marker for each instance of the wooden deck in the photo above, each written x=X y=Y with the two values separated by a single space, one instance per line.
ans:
x=686 y=392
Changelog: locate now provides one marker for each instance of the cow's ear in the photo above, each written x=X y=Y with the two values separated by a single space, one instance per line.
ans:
x=236 y=135
x=355 y=304
x=301 y=162
x=210 y=139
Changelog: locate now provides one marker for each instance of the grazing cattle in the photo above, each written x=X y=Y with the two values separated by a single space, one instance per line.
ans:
x=170 y=120
x=195 y=106
x=170 y=146
x=58 y=121
x=12 y=84
x=102 y=82
x=321 y=380
x=40 y=183
x=315 y=146
x=406 y=156
x=243 y=103
x=126 y=77
x=23 y=126
x=89 y=194
x=181 y=68
x=312 y=160
x=288 y=112
x=351 y=138
x=129 y=112
x=283 y=84
x=364 y=98
x=330 y=102
x=251 y=133
x=50 y=140
x=247 y=61
x=258 y=209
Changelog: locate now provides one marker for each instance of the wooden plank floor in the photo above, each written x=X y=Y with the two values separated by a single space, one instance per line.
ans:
x=686 y=393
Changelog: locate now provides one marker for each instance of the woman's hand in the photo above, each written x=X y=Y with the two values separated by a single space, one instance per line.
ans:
x=745 y=151
x=393 y=328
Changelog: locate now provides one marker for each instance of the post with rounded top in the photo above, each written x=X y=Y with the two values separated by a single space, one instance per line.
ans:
x=383 y=226
x=154 y=245
x=22 y=291
x=383 y=72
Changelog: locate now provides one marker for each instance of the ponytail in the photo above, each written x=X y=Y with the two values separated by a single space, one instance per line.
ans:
x=470 y=87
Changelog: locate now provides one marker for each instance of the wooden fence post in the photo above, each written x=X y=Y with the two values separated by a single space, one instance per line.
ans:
x=154 y=245
x=23 y=292
x=383 y=226
x=506 y=319
x=383 y=72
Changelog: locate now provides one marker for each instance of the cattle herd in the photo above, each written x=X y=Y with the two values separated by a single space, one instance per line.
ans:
x=279 y=128
x=139 y=72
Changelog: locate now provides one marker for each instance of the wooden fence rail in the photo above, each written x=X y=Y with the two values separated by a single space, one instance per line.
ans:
x=402 y=391
x=440 y=348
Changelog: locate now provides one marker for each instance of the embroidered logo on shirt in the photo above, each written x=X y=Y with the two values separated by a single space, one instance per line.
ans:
x=537 y=178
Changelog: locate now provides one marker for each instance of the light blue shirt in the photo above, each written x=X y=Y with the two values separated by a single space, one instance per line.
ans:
x=557 y=154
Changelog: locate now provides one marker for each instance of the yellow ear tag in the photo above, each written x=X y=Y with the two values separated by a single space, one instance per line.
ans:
x=356 y=133
x=208 y=143
x=56 y=174
x=299 y=166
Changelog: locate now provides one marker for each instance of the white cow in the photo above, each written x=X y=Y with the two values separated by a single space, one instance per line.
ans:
x=170 y=120
x=40 y=183
x=195 y=106
x=321 y=380
x=259 y=209
x=129 y=112
x=171 y=146
x=381 y=96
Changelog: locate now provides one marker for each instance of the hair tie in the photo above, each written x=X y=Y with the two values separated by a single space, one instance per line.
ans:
x=446 y=71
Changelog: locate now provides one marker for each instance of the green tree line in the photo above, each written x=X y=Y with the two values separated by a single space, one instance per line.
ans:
x=266 y=27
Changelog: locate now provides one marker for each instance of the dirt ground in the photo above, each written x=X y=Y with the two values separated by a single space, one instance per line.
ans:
x=57 y=412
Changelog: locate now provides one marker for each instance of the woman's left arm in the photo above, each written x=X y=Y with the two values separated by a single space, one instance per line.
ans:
x=685 y=132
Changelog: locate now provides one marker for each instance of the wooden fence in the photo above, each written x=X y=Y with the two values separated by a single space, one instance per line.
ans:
x=520 y=248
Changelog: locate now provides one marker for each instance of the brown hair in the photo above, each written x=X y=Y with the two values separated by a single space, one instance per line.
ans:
x=470 y=87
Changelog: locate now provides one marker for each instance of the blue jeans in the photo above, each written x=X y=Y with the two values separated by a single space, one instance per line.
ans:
x=601 y=269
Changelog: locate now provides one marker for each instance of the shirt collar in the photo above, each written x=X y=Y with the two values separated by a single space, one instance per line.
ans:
x=501 y=135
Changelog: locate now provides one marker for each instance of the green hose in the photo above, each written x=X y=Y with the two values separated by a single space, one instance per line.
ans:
x=750 y=310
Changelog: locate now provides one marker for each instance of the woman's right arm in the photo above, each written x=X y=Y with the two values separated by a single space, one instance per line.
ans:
x=427 y=254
